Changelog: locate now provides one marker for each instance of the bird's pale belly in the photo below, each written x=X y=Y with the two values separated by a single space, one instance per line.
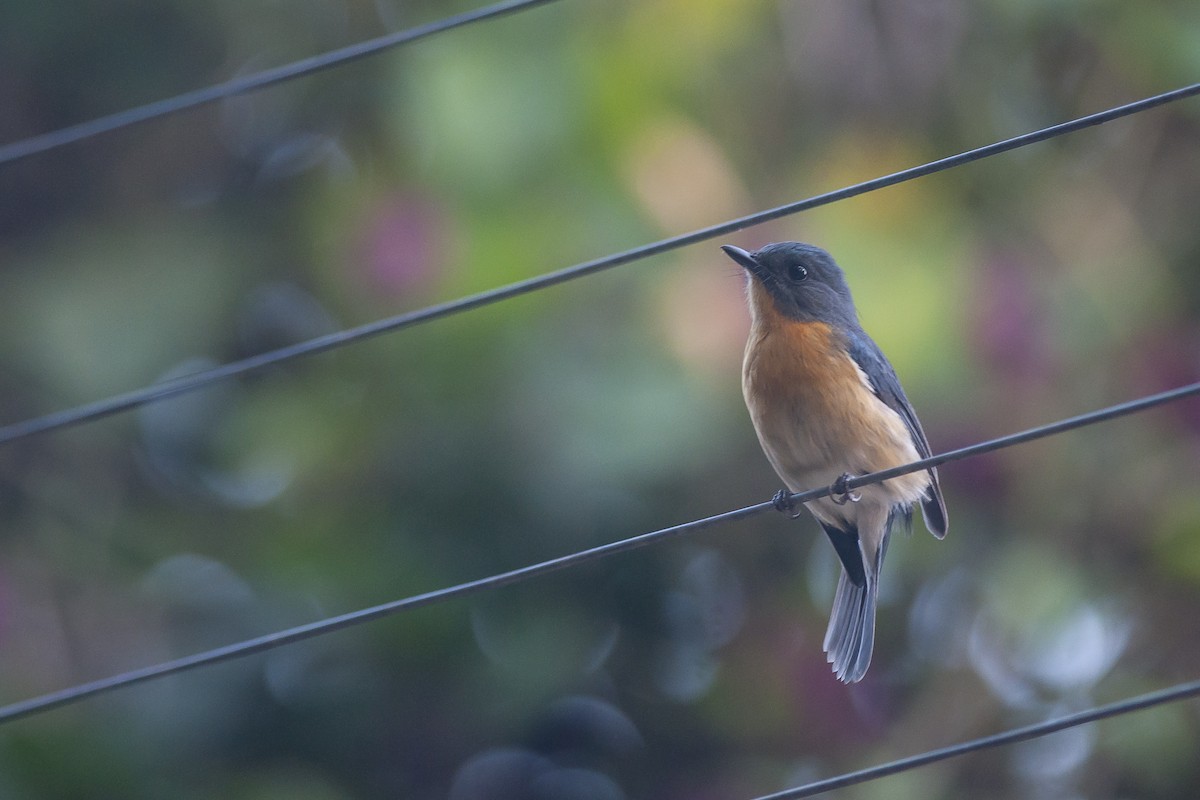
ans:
x=817 y=422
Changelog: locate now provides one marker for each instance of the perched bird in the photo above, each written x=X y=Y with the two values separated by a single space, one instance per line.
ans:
x=826 y=405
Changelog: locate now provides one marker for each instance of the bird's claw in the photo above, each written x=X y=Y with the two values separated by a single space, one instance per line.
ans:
x=840 y=493
x=784 y=505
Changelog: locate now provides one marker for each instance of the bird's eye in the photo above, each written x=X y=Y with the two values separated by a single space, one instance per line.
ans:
x=797 y=272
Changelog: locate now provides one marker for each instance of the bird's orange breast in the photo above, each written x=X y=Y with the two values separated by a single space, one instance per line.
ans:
x=798 y=376
x=813 y=408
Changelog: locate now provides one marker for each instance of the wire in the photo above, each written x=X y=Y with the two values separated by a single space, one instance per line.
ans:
x=1173 y=694
x=273 y=640
x=140 y=397
x=1051 y=429
x=259 y=80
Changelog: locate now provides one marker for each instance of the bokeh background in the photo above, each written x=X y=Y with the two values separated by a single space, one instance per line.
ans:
x=1008 y=293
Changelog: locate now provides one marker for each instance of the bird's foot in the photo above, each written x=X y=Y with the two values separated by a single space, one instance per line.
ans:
x=784 y=505
x=840 y=493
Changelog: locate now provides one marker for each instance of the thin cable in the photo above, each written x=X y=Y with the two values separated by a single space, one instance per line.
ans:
x=140 y=397
x=271 y=641
x=259 y=80
x=1062 y=426
x=1173 y=694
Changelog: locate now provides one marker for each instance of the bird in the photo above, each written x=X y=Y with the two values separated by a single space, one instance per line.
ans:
x=827 y=405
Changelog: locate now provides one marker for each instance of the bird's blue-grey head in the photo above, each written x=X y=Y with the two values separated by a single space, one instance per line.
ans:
x=804 y=281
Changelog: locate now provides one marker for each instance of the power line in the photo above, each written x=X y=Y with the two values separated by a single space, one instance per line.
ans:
x=1173 y=694
x=300 y=633
x=1050 y=429
x=139 y=397
x=259 y=80
x=271 y=641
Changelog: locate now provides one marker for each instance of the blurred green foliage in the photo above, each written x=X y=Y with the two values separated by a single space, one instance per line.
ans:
x=1008 y=293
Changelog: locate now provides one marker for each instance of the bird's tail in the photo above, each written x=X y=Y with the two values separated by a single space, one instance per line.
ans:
x=850 y=637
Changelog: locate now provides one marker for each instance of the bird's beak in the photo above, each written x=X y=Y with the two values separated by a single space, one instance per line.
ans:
x=742 y=258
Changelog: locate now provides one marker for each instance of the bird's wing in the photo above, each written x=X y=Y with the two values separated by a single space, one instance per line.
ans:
x=882 y=377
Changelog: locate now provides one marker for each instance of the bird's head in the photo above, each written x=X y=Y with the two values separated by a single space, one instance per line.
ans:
x=801 y=282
